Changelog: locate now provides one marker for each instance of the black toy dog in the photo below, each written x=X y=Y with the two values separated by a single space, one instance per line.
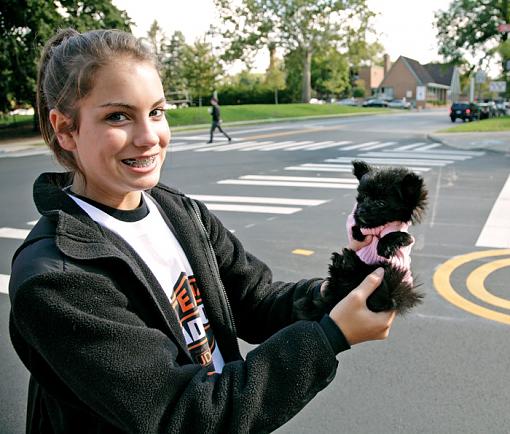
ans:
x=388 y=200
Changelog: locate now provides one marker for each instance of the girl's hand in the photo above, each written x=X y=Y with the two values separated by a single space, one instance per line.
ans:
x=356 y=245
x=355 y=320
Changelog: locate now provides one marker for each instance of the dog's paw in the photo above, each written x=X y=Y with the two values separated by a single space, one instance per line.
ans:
x=356 y=233
x=394 y=293
x=392 y=242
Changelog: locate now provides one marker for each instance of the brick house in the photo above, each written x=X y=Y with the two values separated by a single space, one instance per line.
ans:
x=418 y=83
x=372 y=76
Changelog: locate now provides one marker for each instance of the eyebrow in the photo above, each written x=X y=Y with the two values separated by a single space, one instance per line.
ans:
x=129 y=106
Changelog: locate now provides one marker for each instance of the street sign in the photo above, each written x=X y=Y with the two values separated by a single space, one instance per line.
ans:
x=503 y=28
x=421 y=92
x=480 y=77
x=498 y=86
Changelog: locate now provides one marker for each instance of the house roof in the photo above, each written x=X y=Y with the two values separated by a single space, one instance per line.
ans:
x=419 y=71
x=431 y=73
x=442 y=73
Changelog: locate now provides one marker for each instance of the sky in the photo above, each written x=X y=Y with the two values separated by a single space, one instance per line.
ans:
x=405 y=27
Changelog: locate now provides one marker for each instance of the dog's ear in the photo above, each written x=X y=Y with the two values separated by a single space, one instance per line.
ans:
x=360 y=168
x=413 y=191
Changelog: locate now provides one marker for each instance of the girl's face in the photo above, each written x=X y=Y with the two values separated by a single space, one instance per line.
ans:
x=122 y=138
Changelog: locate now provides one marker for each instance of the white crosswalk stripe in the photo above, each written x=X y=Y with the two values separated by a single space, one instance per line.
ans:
x=295 y=148
x=428 y=147
x=4 y=283
x=416 y=155
x=292 y=181
x=233 y=146
x=257 y=199
x=392 y=161
x=311 y=167
x=324 y=146
x=269 y=146
x=198 y=144
x=379 y=145
x=346 y=168
x=496 y=231
x=410 y=146
x=359 y=146
x=12 y=233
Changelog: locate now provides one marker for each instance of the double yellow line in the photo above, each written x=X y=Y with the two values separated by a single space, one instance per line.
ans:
x=475 y=284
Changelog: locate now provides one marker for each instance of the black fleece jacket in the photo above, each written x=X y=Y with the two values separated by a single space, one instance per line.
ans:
x=104 y=347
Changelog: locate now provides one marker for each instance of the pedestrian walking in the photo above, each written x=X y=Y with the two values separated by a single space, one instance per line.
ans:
x=128 y=297
x=216 y=120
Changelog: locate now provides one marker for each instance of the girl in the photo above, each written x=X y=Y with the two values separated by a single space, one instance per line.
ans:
x=128 y=297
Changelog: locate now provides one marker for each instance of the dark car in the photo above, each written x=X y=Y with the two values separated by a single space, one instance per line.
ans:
x=488 y=110
x=465 y=111
x=375 y=103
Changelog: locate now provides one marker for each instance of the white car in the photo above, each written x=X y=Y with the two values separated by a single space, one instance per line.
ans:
x=399 y=103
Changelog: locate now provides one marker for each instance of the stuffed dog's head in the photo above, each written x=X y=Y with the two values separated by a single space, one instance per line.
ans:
x=388 y=194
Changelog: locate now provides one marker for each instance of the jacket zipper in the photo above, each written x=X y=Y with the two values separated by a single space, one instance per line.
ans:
x=216 y=271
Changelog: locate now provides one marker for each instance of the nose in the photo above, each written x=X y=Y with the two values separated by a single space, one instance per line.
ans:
x=146 y=134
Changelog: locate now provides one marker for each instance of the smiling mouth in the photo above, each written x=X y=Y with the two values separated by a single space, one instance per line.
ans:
x=140 y=162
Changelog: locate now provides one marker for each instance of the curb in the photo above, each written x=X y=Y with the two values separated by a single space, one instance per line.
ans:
x=495 y=141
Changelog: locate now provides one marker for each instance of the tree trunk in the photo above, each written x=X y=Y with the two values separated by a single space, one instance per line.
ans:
x=35 y=124
x=276 y=96
x=504 y=38
x=306 y=90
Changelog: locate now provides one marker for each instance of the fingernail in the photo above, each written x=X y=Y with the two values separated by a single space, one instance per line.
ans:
x=379 y=272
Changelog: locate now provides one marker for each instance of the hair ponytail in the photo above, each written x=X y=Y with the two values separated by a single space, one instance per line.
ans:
x=44 y=106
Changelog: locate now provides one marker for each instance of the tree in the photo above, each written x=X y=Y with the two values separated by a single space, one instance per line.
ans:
x=275 y=76
x=471 y=27
x=201 y=69
x=158 y=41
x=25 y=25
x=330 y=73
x=300 y=26
x=174 y=80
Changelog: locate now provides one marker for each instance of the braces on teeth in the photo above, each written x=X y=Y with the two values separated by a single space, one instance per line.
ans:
x=139 y=163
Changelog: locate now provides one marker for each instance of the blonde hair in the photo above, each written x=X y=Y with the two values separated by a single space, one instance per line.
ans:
x=67 y=67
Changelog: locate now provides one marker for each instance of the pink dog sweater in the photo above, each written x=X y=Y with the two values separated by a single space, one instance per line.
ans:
x=368 y=254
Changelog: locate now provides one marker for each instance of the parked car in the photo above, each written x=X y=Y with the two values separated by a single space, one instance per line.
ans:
x=375 y=102
x=488 y=110
x=400 y=104
x=465 y=111
x=502 y=108
x=347 y=101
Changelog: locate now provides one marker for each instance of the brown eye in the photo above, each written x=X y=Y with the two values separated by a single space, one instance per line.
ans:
x=116 y=117
x=156 y=112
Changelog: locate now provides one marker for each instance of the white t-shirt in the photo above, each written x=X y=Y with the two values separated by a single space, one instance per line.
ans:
x=155 y=243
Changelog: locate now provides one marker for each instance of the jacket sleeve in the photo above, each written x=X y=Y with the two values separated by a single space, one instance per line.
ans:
x=260 y=306
x=83 y=329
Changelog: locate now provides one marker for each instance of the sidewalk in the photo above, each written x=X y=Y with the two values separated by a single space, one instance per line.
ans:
x=495 y=141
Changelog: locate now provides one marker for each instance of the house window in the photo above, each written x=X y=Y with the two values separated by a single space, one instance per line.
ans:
x=387 y=92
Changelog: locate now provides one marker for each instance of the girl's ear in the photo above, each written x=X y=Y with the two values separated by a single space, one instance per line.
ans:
x=61 y=124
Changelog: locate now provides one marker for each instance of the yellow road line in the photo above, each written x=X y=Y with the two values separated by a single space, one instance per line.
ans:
x=475 y=283
x=303 y=252
x=443 y=285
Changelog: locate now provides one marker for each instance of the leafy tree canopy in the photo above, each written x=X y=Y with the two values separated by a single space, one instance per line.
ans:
x=299 y=26
x=470 y=27
x=25 y=25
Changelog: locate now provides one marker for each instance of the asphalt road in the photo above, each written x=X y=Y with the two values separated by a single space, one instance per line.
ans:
x=285 y=190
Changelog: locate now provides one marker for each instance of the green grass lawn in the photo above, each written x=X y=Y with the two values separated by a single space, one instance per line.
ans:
x=483 y=126
x=240 y=113
x=17 y=120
